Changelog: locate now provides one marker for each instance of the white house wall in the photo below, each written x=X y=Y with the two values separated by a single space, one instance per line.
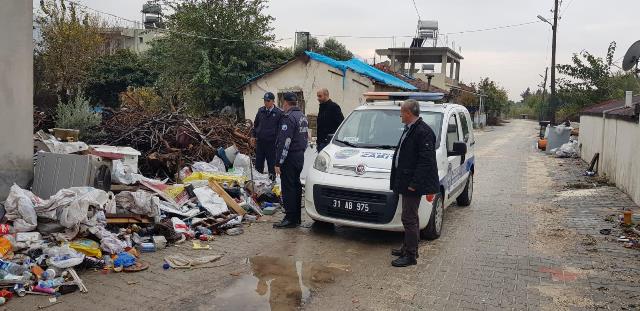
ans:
x=619 y=159
x=308 y=77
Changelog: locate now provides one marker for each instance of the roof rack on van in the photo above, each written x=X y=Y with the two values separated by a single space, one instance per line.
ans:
x=421 y=96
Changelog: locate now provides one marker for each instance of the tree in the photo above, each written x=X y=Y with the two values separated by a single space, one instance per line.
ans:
x=334 y=49
x=526 y=94
x=330 y=47
x=590 y=80
x=496 y=98
x=211 y=48
x=112 y=74
x=70 y=43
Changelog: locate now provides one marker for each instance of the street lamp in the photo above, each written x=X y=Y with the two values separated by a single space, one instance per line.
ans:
x=540 y=17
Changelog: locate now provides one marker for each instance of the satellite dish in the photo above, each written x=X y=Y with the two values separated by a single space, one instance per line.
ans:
x=632 y=57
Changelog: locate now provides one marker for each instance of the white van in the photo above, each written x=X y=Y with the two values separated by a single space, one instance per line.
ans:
x=349 y=181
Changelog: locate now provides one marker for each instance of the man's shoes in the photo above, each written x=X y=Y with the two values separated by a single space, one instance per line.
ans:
x=404 y=261
x=285 y=223
x=398 y=252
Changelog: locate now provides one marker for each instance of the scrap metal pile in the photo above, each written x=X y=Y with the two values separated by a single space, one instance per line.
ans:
x=167 y=140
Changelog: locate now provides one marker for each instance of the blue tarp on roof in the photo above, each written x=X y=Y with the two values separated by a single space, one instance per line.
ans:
x=363 y=69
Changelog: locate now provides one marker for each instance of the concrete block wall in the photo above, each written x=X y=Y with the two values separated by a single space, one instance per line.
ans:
x=619 y=151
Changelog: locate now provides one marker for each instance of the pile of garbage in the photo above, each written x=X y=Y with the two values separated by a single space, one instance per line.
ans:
x=630 y=225
x=166 y=139
x=100 y=213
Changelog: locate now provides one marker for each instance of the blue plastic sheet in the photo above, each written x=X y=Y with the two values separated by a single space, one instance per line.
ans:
x=362 y=68
x=124 y=259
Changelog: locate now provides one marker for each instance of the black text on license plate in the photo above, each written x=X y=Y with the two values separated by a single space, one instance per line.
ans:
x=350 y=205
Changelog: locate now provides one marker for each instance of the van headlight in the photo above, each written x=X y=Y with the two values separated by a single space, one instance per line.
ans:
x=322 y=162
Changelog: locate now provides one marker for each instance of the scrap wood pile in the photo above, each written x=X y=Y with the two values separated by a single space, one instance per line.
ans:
x=169 y=139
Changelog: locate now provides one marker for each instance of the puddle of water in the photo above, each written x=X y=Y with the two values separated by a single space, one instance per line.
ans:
x=277 y=284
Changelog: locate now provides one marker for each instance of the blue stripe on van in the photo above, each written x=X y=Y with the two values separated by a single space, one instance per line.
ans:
x=456 y=174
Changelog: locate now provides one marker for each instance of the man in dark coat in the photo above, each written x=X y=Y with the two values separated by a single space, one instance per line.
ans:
x=264 y=133
x=292 y=141
x=414 y=173
x=329 y=118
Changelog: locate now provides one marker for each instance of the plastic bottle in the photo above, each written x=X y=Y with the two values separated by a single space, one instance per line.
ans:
x=108 y=262
x=51 y=283
x=11 y=267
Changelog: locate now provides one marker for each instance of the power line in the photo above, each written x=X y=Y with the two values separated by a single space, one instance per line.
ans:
x=441 y=34
x=566 y=8
x=492 y=28
x=177 y=32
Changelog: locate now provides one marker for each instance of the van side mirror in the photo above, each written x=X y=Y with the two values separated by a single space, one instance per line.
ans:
x=459 y=149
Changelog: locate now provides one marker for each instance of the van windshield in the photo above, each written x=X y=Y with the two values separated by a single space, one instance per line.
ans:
x=380 y=128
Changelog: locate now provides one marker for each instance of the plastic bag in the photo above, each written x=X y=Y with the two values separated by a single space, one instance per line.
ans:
x=243 y=162
x=218 y=163
x=568 y=150
x=63 y=257
x=87 y=247
x=5 y=246
x=124 y=259
x=20 y=208
x=109 y=241
x=211 y=201
x=140 y=202
x=205 y=167
x=178 y=225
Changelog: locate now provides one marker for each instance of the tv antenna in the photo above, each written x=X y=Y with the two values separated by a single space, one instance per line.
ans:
x=632 y=59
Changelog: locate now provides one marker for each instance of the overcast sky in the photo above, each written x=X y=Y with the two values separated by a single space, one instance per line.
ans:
x=514 y=57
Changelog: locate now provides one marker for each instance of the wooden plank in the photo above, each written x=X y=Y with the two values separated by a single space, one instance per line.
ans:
x=226 y=197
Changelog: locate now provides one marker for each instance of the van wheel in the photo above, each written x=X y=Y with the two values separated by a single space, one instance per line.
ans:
x=434 y=228
x=464 y=199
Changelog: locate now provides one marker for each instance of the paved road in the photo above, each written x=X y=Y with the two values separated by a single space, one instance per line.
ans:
x=529 y=241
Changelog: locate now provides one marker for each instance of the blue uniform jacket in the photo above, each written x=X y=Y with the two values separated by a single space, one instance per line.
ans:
x=293 y=135
x=266 y=124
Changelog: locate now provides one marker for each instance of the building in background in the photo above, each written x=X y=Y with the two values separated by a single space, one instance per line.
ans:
x=136 y=40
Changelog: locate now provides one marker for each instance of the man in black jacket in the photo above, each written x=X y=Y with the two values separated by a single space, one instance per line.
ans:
x=414 y=173
x=329 y=118
x=264 y=133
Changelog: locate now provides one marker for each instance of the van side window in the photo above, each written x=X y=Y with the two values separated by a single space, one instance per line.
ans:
x=465 y=126
x=452 y=132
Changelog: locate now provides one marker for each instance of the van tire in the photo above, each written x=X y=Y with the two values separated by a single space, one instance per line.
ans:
x=431 y=232
x=464 y=199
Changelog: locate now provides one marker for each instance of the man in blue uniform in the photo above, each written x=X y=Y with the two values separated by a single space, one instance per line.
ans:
x=264 y=133
x=292 y=141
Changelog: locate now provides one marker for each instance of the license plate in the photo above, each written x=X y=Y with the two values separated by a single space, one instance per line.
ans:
x=353 y=206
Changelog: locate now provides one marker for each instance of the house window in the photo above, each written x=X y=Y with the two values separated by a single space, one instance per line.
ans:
x=141 y=40
x=299 y=94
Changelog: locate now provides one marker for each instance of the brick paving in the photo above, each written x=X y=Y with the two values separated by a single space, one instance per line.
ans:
x=529 y=241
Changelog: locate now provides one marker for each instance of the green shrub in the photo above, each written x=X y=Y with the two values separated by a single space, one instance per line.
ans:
x=77 y=114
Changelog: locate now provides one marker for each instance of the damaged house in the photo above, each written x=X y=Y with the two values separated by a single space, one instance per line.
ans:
x=304 y=75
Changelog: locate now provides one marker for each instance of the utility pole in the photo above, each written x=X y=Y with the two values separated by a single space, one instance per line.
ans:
x=544 y=108
x=554 y=99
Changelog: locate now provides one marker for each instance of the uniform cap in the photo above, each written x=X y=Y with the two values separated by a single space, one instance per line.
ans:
x=269 y=96
x=290 y=97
